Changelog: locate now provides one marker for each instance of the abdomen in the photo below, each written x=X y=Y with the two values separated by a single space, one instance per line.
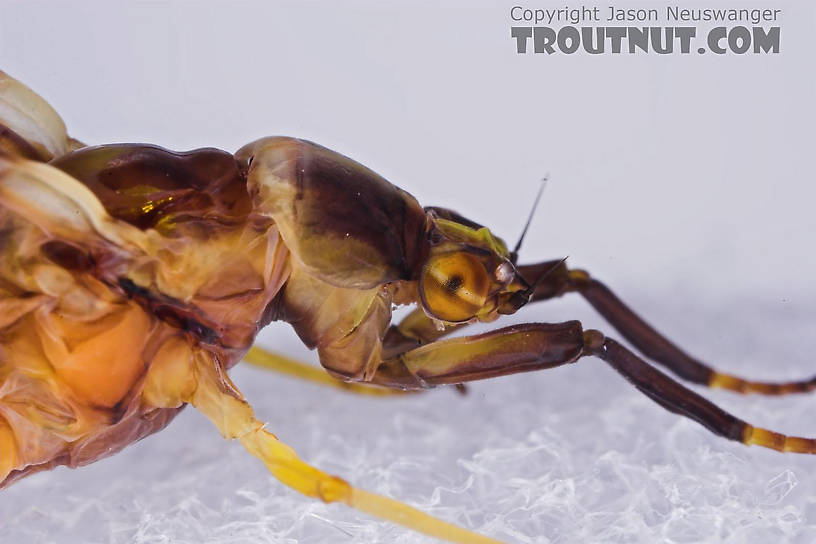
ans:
x=84 y=318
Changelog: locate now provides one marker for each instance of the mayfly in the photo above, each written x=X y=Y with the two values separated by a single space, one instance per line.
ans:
x=133 y=278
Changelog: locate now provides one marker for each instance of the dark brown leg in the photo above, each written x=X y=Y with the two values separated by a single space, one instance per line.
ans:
x=537 y=346
x=656 y=347
x=646 y=339
x=680 y=400
x=518 y=348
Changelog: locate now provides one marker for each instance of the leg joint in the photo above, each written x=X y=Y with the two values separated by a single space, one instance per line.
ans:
x=593 y=341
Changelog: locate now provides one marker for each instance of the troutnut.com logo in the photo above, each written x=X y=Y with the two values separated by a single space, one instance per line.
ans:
x=684 y=30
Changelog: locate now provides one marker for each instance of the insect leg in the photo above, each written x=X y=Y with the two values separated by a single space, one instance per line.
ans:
x=681 y=400
x=537 y=346
x=272 y=361
x=656 y=347
x=223 y=404
x=518 y=348
x=644 y=337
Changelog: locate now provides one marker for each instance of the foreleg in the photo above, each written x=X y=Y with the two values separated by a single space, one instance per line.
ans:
x=658 y=348
x=528 y=347
x=559 y=280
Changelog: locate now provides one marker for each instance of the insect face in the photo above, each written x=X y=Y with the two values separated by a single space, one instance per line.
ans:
x=468 y=275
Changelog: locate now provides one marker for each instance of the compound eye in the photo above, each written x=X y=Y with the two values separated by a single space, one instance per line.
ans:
x=454 y=286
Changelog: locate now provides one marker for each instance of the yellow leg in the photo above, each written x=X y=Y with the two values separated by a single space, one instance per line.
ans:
x=220 y=401
x=272 y=361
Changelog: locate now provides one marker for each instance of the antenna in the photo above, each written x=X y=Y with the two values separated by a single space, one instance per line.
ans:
x=514 y=253
x=520 y=298
x=541 y=278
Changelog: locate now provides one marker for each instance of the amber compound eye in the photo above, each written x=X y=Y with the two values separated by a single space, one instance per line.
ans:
x=454 y=286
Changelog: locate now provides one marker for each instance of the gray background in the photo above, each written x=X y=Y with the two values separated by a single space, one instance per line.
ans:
x=685 y=182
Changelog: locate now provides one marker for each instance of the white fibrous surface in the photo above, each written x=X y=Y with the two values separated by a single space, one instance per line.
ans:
x=573 y=454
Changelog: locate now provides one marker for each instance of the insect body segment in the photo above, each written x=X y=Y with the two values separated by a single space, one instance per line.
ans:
x=133 y=278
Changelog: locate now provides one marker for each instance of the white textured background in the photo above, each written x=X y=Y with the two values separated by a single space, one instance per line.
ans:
x=685 y=182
